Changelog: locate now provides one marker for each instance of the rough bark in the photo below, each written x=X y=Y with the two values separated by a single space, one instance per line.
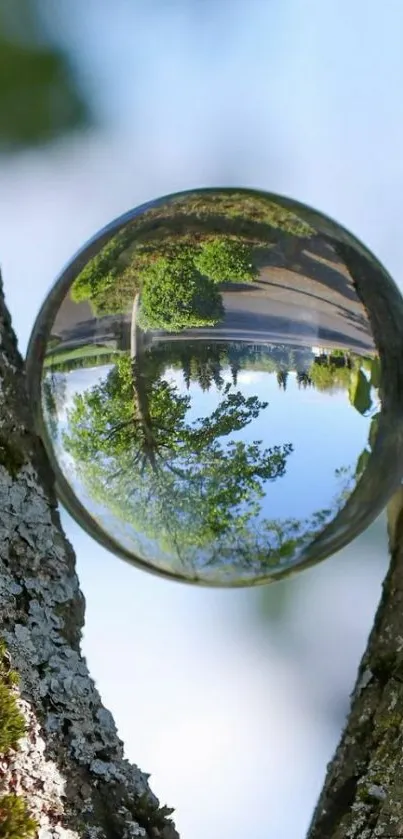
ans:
x=363 y=793
x=69 y=766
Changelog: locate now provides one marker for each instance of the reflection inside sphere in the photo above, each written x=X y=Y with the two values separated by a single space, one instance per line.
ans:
x=211 y=387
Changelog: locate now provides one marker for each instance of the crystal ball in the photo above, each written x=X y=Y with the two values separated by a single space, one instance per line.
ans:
x=216 y=377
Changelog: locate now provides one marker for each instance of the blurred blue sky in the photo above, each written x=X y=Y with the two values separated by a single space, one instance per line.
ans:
x=235 y=715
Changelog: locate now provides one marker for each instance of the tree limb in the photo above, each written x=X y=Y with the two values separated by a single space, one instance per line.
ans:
x=70 y=766
x=363 y=793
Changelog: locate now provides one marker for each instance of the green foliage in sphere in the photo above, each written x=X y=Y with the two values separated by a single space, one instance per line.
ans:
x=101 y=272
x=176 y=296
x=226 y=260
x=328 y=375
x=360 y=391
x=184 y=483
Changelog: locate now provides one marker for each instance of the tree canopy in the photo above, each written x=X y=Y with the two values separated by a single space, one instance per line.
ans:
x=176 y=296
x=218 y=236
x=192 y=492
x=187 y=485
x=224 y=259
x=98 y=280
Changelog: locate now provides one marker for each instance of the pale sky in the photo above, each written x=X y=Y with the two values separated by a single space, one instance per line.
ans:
x=234 y=714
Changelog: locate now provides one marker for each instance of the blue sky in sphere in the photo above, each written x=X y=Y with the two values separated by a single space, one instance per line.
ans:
x=234 y=714
x=326 y=432
x=324 y=429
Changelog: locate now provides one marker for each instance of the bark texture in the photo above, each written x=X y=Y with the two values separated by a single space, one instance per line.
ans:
x=363 y=792
x=69 y=766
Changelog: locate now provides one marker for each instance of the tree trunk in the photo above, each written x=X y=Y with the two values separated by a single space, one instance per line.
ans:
x=363 y=793
x=69 y=766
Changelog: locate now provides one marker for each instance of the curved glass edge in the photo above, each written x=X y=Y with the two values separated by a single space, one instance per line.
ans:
x=355 y=516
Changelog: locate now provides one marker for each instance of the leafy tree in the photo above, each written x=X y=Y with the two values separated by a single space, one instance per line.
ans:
x=183 y=484
x=99 y=276
x=226 y=260
x=66 y=362
x=201 y=358
x=235 y=367
x=206 y=371
x=176 y=296
x=282 y=378
x=303 y=379
x=340 y=370
x=246 y=211
x=362 y=392
x=328 y=373
x=198 y=360
x=359 y=391
x=128 y=411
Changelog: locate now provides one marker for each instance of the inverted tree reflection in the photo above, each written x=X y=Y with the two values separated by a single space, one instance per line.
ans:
x=185 y=484
x=191 y=491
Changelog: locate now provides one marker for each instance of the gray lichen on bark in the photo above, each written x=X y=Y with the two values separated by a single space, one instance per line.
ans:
x=362 y=796
x=70 y=765
x=363 y=793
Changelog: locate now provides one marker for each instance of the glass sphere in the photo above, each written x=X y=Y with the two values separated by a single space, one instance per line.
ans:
x=217 y=380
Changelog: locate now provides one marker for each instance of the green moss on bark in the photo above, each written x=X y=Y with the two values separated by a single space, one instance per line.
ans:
x=15 y=819
x=11 y=456
x=12 y=724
